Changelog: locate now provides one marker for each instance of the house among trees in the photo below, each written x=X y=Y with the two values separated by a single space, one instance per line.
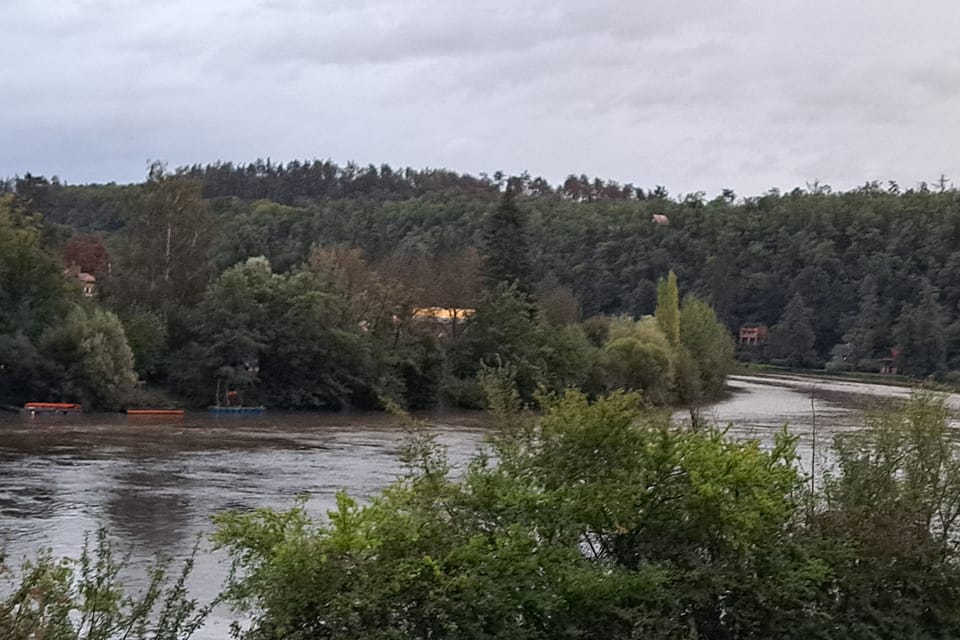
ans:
x=888 y=366
x=439 y=321
x=88 y=281
x=753 y=335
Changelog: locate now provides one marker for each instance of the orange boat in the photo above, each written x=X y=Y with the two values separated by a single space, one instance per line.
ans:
x=154 y=412
x=52 y=407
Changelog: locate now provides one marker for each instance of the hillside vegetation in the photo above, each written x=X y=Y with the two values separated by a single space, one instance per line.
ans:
x=214 y=273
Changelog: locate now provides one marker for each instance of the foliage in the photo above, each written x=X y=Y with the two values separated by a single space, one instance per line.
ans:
x=890 y=525
x=282 y=339
x=33 y=291
x=903 y=468
x=668 y=308
x=707 y=350
x=50 y=344
x=597 y=523
x=921 y=337
x=568 y=357
x=559 y=306
x=420 y=371
x=865 y=337
x=24 y=372
x=857 y=258
x=503 y=332
x=793 y=337
x=346 y=275
x=146 y=334
x=646 y=366
x=599 y=520
x=86 y=599
x=87 y=253
x=91 y=349
x=451 y=279
x=162 y=262
x=638 y=355
x=506 y=250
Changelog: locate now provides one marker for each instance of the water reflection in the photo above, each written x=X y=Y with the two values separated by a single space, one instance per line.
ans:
x=149 y=507
x=27 y=501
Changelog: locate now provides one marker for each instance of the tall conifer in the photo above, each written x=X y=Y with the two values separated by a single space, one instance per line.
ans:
x=506 y=249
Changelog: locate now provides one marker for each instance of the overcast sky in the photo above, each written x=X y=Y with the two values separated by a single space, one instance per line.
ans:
x=691 y=94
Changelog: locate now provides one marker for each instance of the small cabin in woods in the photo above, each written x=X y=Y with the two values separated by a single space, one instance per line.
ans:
x=753 y=335
x=88 y=281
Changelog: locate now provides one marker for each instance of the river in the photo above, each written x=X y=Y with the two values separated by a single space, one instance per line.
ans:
x=155 y=483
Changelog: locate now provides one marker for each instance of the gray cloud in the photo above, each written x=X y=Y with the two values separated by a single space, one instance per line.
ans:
x=694 y=94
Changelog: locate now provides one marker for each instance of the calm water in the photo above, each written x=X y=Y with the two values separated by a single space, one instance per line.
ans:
x=155 y=483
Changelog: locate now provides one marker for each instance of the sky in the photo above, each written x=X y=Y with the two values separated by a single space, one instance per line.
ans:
x=696 y=95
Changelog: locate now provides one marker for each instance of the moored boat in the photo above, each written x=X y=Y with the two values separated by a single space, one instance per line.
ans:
x=232 y=404
x=57 y=408
x=237 y=410
x=155 y=412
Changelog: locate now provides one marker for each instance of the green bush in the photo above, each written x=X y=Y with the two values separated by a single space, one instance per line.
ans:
x=869 y=365
x=601 y=521
x=462 y=392
x=86 y=599
x=837 y=366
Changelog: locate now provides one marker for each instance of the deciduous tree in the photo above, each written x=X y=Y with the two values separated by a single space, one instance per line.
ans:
x=668 y=308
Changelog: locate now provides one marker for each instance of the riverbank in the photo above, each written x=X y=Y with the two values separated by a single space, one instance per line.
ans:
x=862 y=395
x=848 y=376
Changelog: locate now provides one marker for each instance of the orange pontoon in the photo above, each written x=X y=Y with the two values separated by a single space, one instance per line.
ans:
x=154 y=412
x=52 y=407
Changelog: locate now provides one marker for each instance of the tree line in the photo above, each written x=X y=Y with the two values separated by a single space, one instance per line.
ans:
x=852 y=280
x=330 y=328
x=309 y=181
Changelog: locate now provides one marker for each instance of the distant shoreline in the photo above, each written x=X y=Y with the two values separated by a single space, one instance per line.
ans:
x=902 y=381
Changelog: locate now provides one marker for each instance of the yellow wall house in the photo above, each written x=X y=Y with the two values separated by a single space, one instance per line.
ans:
x=440 y=321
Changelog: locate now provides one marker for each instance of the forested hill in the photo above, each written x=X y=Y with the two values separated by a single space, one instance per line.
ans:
x=870 y=269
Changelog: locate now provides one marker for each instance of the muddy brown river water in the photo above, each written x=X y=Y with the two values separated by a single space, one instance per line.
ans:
x=155 y=483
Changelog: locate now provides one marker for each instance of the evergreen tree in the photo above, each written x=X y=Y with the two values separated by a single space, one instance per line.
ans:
x=865 y=335
x=506 y=248
x=502 y=332
x=921 y=337
x=793 y=339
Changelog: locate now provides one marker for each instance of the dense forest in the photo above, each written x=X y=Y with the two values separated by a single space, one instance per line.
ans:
x=162 y=301
x=296 y=284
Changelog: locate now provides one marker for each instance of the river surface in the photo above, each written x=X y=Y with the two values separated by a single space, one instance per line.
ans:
x=155 y=483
